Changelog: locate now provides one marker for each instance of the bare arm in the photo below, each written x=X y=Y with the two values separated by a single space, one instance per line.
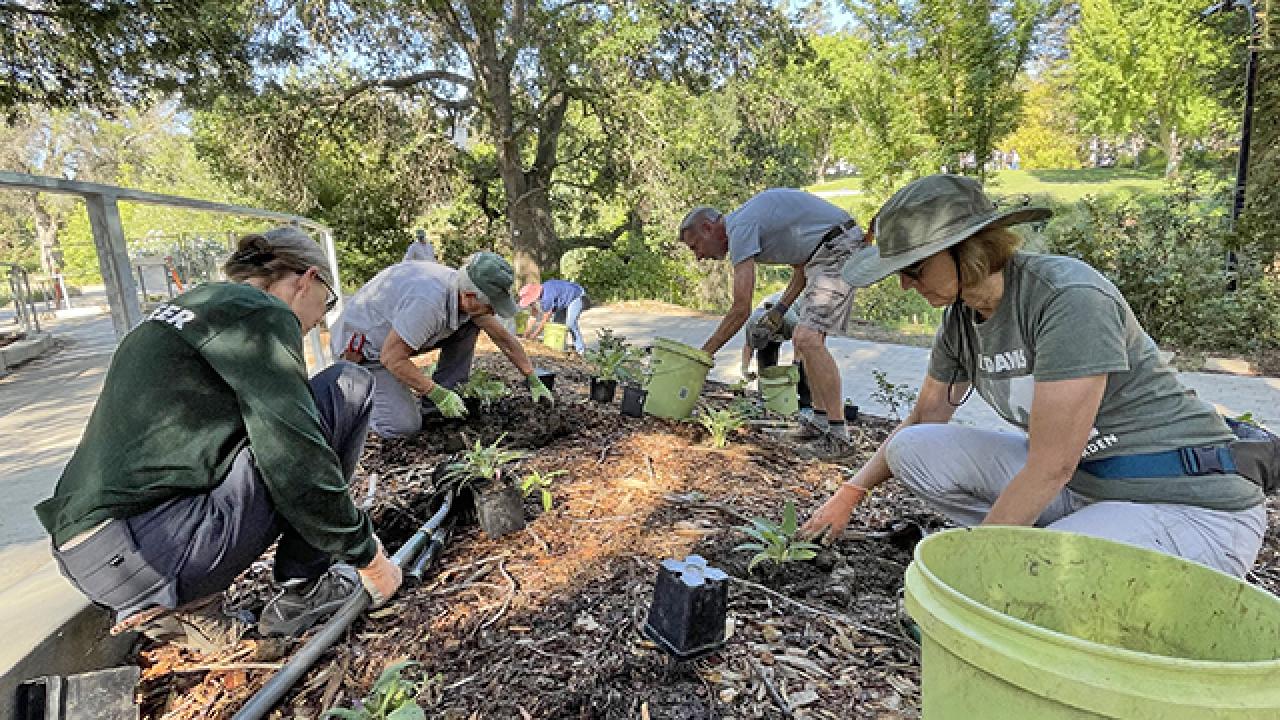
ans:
x=832 y=518
x=744 y=286
x=396 y=356
x=535 y=327
x=1062 y=415
x=506 y=342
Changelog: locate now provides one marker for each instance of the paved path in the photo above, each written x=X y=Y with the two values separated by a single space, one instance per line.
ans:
x=45 y=404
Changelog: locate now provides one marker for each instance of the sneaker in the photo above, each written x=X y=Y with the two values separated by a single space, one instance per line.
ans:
x=300 y=604
x=828 y=448
x=203 y=626
x=806 y=429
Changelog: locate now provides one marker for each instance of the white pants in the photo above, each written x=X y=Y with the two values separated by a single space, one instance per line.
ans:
x=960 y=471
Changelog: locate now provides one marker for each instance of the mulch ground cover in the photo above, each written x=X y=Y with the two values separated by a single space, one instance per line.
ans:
x=547 y=622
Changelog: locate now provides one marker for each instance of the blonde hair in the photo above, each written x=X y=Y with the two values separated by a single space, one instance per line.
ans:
x=985 y=253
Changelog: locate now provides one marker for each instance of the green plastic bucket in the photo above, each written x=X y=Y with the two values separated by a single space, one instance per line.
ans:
x=677 y=373
x=521 y=321
x=778 y=388
x=1028 y=623
x=554 y=334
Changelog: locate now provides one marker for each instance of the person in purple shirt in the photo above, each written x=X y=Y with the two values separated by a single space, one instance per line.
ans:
x=562 y=298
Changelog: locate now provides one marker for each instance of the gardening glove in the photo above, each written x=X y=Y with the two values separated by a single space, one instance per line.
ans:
x=380 y=577
x=833 y=517
x=449 y=402
x=772 y=320
x=538 y=390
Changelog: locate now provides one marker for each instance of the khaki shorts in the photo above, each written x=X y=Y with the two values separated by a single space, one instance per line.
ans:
x=828 y=299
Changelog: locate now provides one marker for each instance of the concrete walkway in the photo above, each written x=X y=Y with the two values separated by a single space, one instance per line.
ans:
x=1233 y=395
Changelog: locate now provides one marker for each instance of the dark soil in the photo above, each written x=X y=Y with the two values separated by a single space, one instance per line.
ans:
x=547 y=622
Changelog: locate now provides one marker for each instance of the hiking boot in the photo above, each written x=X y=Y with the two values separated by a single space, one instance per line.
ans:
x=807 y=429
x=203 y=626
x=300 y=603
x=828 y=448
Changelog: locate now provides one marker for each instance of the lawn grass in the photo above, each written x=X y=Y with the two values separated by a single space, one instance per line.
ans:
x=1057 y=186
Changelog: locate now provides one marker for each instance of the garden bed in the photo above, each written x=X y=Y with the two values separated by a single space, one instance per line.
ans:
x=547 y=622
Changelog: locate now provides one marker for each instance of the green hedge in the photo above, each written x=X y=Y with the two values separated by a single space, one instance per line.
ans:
x=1167 y=254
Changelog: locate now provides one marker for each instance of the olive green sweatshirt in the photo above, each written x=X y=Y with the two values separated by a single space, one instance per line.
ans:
x=216 y=366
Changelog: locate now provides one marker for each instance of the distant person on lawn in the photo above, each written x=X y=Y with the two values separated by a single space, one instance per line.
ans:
x=1114 y=446
x=560 y=298
x=789 y=227
x=414 y=307
x=420 y=249
x=208 y=444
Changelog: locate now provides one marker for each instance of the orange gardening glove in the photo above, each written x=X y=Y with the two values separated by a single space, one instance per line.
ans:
x=829 y=522
x=381 y=577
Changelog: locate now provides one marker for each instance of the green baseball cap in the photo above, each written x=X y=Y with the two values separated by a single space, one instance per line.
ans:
x=925 y=218
x=493 y=277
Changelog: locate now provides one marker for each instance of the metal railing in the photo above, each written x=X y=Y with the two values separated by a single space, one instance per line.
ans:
x=24 y=303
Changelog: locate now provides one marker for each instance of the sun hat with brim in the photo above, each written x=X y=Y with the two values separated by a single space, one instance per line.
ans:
x=925 y=218
x=492 y=277
x=529 y=293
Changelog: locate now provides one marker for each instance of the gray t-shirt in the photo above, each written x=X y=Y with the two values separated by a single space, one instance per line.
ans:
x=1060 y=319
x=418 y=299
x=420 y=251
x=780 y=226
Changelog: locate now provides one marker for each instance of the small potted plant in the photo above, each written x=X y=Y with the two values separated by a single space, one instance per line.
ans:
x=481 y=391
x=614 y=361
x=480 y=471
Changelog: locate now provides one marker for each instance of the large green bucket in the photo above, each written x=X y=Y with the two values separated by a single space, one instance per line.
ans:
x=677 y=373
x=1027 y=623
x=521 y=321
x=778 y=388
x=554 y=334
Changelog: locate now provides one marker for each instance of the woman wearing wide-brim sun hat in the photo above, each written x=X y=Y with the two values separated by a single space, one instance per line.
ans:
x=1112 y=445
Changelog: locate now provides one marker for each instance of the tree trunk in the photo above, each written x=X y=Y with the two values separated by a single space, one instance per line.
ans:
x=1172 y=146
x=46 y=236
x=533 y=236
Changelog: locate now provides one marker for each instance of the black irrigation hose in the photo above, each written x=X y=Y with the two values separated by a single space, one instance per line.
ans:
x=287 y=676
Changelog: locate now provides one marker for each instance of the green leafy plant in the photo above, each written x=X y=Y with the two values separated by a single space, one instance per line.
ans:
x=392 y=697
x=776 y=542
x=542 y=483
x=485 y=387
x=483 y=462
x=613 y=358
x=719 y=423
x=894 y=396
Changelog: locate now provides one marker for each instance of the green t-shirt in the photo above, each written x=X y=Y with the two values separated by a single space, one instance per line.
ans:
x=1060 y=319
x=216 y=366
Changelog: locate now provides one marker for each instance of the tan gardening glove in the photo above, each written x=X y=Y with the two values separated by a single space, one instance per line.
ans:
x=381 y=577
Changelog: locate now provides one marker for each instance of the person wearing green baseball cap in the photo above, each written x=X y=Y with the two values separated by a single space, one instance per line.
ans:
x=1112 y=444
x=784 y=226
x=417 y=306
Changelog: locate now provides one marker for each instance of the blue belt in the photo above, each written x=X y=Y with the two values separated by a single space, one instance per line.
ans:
x=1206 y=460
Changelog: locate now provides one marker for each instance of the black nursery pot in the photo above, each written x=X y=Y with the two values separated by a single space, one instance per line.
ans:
x=633 y=400
x=690 y=600
x=474 y=406
x=850 y=412
x=602 y=391
x=499 y=509
x=547 y=377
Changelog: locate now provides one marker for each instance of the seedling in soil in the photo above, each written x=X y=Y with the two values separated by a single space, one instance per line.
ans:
x=483 y=462
x=392 y=697
x=542 y=483
x=894 y=396
x=719 y=423
x=613 y=358
x=483 y=387
x=775 y=542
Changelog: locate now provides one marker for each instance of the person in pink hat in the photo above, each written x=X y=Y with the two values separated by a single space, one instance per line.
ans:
x=560 y=298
